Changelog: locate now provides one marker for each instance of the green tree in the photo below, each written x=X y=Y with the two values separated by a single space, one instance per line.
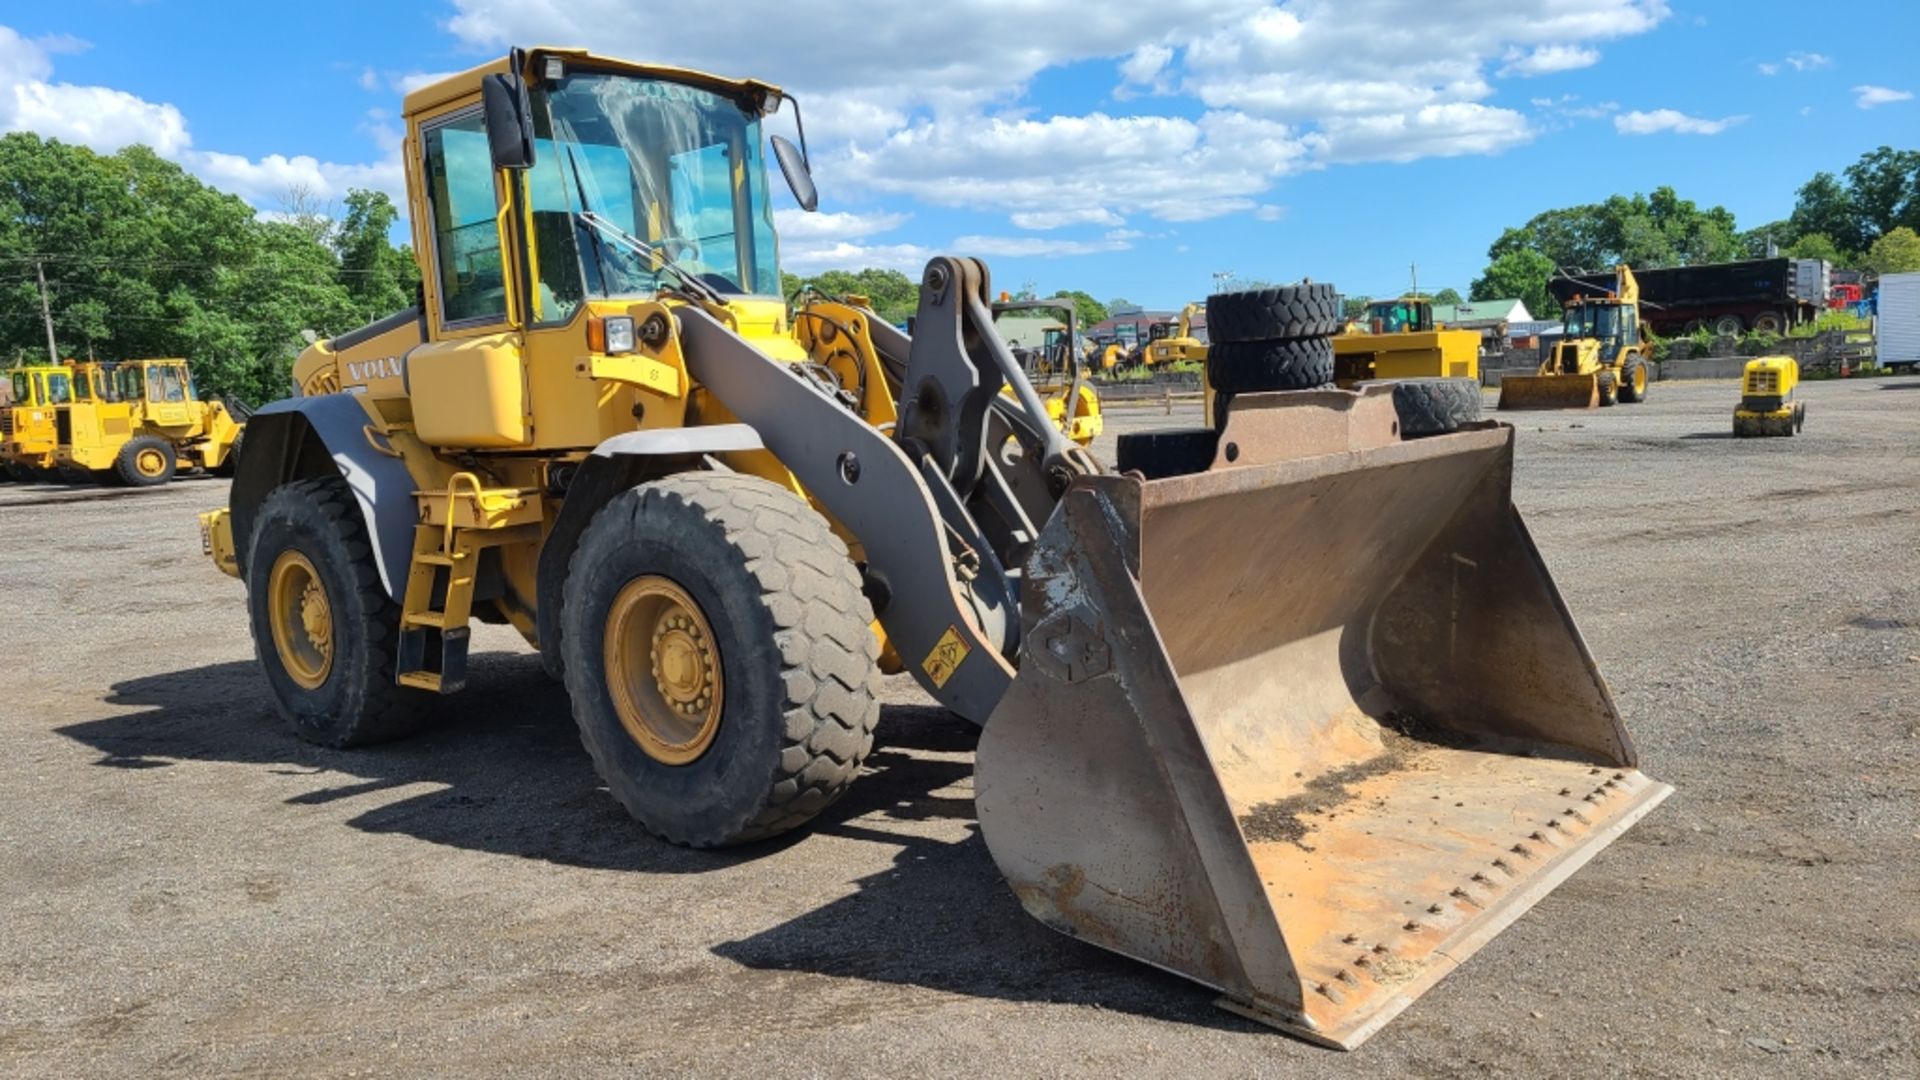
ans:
x=1447 y=297
x=1885 y=189
x=1897 y=252
x=1816 y=246
x=380 y=278
x=144 y=260
x=1086 y=309
x=894 y=296
x=1523 y=274
x=1354 y=307
x=1824 y=205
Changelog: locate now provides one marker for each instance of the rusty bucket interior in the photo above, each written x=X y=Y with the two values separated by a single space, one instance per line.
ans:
x=1309 y=726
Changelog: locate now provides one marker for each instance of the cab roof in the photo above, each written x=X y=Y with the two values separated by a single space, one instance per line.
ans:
x=467 y=83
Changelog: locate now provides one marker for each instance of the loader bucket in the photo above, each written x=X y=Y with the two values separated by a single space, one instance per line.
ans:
x=1549 y=392
x=1309 y=726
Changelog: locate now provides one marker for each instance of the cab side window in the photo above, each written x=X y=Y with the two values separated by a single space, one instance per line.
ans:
x=466 y=240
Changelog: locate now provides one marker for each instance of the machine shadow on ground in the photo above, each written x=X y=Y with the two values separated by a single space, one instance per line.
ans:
x=514 y=781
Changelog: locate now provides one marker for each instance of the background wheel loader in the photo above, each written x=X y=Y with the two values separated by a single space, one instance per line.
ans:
x=150 y=427
x=1058 y=374
x=1602 y=358
x=1315 y=771
x=40 y=418
x=1173 y=341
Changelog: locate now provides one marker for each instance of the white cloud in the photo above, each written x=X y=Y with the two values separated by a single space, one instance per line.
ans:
x=1548 y=59
x=1447 y=130
x=1270 y=212
x=1671 y=120
x=1869 y=97
x=808 y=258
x=105 y=119
x=806 y=226
x=407 y=82
x=1798 y=61
x=1077 y=215
x=1045 y=247
x=1146 y=67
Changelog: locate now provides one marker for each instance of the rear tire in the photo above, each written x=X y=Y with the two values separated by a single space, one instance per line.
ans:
x=1256 y=366
x=1435 y=406
x=145 y=461
x=1633 y=381
x=1728 y=325
x=1290 y=311
x=780 y=620
x=1769 y=322
x=331 y=668
x=1799 y=416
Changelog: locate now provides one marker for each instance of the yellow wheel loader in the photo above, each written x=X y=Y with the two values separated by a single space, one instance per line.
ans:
x=41 y=418
x=1316 y=779
x=1600 y=359
x=1398 y=339
x=1766 y=404
x=151 y=426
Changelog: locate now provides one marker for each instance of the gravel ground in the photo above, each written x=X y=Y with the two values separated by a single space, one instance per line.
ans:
x=189 y=889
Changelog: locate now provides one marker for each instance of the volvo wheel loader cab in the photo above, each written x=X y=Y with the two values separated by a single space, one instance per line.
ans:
x=1397 y=339
x=719 y=520
x=1601 y=357
x=1767 y=406
x=152 y=426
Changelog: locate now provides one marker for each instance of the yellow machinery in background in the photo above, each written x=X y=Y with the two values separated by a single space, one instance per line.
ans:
x=1398 y=339
x=1172 y=341
x=148 y=428
x=1316 y=779
x=1058 y=373
x=44 y=396
x=1767 y=406
x=1601 y=357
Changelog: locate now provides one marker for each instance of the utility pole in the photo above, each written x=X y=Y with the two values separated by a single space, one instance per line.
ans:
x=46 y=313
x=1414 y=270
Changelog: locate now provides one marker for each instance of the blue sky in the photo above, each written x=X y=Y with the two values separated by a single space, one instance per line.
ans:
x=1125 y=152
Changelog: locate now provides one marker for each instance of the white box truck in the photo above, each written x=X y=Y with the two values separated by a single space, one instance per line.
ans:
x=1896 y=324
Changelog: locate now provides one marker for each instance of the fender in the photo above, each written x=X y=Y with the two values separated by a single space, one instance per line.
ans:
x=309 y=437
x=621 y=462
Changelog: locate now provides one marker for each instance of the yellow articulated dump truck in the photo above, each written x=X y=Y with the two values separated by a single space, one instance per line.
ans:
x=1315 y=782
x=1601 y=358
x=1398 y=339
x=149 y=427
x=1766 y=404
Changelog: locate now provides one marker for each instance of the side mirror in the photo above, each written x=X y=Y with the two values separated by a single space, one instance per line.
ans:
x=509 y=114
x=793 y=166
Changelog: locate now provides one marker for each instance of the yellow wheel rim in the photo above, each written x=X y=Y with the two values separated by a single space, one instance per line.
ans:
x=663 y=669
x=301 y=618
x=1639 y=379
x=150 y=462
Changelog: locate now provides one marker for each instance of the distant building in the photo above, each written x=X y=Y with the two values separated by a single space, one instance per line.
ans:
x=1493 y=318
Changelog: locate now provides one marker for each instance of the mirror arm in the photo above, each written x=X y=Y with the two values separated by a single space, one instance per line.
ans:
x=801 y=130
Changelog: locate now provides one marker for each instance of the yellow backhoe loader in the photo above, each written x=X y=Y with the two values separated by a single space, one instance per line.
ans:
x=148 y=427
x=1397 y=339
x=1600 y=359
x=44 y=396
x=1316 y=778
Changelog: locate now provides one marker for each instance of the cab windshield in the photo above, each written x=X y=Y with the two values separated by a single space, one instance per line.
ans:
x=1394 y=316
x=675 y=166
x=1593 y=321
x=22 y=389
x=59 y=388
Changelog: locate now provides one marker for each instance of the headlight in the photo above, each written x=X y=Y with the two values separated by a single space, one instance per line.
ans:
x=612 y=336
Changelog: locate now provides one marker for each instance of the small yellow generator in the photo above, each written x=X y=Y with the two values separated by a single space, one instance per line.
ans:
x=1766 y=398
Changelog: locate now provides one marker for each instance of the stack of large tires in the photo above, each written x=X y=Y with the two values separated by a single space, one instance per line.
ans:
x=1270 y=339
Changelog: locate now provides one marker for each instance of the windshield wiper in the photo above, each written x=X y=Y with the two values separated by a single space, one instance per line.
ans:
x=632 y=243
x=599 y=250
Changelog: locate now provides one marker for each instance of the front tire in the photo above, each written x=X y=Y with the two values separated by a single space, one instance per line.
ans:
x=1633 y=381
x=324 y=627
x=719 y=658
x=145 y=461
